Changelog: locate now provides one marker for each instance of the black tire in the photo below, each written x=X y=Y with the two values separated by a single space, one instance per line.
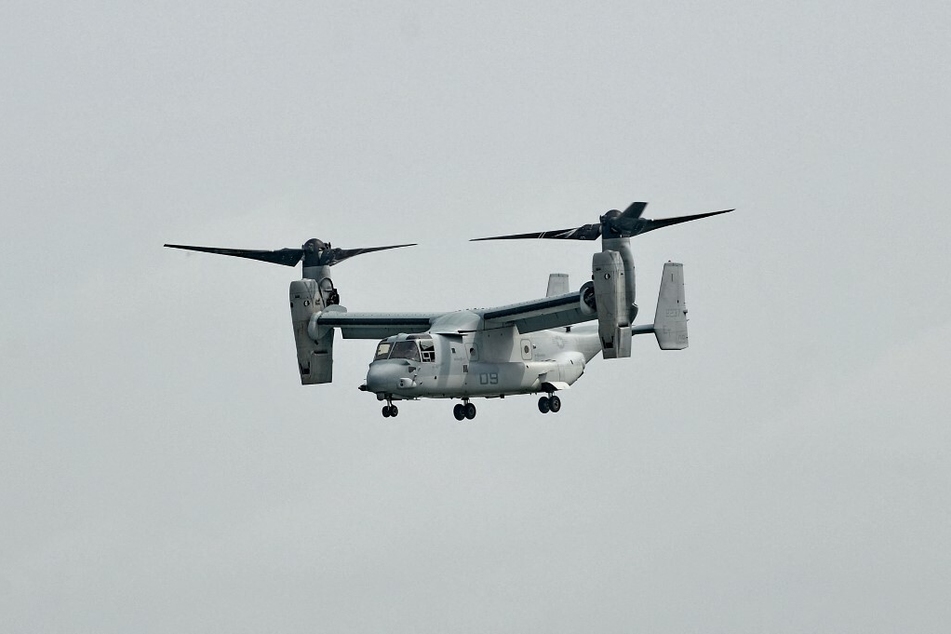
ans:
x=459 y=411
x=394 y=411
x=544 y=405
x=554 y=403
x=386 y=411
x=470 y=411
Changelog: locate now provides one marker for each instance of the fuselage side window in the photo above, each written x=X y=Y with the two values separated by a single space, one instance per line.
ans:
x=427 y=350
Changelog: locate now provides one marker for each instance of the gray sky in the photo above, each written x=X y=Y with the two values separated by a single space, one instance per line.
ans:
x=161 y=469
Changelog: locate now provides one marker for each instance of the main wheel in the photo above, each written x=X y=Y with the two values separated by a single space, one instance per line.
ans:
x=544 y=405
x=459 y=411
x=554 y=403
x=386 y=411
x=470 y=411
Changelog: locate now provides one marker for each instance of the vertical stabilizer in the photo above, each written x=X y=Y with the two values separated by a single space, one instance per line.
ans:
x=557 y=285
x=670 y=319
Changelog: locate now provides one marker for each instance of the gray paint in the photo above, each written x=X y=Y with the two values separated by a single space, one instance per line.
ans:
x=509 y=350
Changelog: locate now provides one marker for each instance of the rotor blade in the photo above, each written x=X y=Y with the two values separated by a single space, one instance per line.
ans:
x=584 y=232
x=286 y=257
x=339 y=255
x=634 y=210
x=650 y=225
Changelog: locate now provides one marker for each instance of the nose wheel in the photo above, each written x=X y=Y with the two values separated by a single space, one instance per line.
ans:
x=549 y=404
x=464 y=410
x=390 y=410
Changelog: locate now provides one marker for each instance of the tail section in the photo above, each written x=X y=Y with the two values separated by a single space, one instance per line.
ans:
x=670 y=318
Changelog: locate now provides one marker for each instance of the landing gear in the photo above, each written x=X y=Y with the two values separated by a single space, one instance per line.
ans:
x=390 y=410
x=549 y=404
x=464 y=410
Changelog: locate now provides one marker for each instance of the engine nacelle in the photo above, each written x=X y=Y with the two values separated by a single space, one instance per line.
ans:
x=314 y=356
x=586 y=300
x=613 y=305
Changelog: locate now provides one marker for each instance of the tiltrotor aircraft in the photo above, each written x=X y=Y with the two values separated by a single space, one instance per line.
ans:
x=527 y=348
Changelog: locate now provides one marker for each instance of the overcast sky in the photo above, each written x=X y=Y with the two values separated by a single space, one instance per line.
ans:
x=162 y=470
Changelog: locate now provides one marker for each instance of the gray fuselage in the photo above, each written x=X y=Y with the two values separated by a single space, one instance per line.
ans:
x=479 y=361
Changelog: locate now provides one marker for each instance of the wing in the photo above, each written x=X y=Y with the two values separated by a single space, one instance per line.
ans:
x=540 y=314
x=375 y=325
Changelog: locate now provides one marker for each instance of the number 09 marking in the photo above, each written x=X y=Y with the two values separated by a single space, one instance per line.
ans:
x=489 y=378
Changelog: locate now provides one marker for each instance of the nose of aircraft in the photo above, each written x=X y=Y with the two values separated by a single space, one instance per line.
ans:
x=384 y=376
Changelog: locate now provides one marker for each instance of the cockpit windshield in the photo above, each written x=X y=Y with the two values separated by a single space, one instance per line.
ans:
x=382 y=350
x=405 y=350
x=414 y=348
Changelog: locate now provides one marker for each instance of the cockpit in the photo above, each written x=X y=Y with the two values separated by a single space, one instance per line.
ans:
x=410 y=347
